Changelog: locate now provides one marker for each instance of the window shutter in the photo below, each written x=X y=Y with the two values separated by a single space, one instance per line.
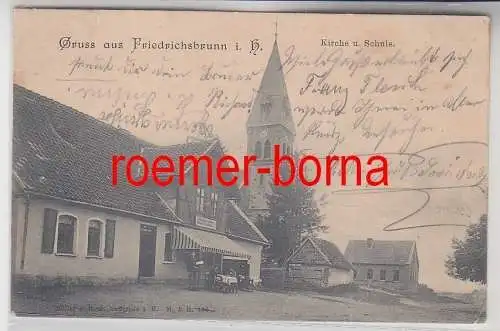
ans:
x=109 y=244
x=168 y=256
x=49 y=230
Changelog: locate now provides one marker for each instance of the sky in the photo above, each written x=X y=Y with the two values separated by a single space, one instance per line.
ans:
x=373 y=91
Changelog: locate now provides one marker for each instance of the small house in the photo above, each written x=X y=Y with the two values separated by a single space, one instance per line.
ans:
x=319 y=263
x=388 y=264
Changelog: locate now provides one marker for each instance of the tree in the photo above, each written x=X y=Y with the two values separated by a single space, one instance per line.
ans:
x=468 y=261
x=293 y=212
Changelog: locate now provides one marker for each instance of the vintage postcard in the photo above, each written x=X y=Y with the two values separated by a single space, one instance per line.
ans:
x=250 y=166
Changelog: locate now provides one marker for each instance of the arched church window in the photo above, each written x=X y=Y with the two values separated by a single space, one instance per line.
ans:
x=267 y=149
x=258 y=149
x=265 y=109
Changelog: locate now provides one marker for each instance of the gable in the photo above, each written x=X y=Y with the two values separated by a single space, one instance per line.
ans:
x=309 y=254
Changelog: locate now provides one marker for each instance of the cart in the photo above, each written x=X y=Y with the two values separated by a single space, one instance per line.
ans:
x=226 y=284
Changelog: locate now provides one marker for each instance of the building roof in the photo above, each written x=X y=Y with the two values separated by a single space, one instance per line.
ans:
x=241 y=225
x=62 y=153
x=273 y=92
x=381 y=252
x=333 y=253
x=327 y=250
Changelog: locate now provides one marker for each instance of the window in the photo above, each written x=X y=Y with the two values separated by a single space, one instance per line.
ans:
x=59 y=235
x=49 y=231
x=168 y=253
x=265 y=109
x=109 y=238
x=369 y=274
x=283 y=149
x=267 y=150
x=66 y=230
x=207 y=206
x=258 y=149
x=395 y=276
x=94 y=241
x=382 y=274
x=261 y=180
x=215 y=202
x=207 y=202
x=200 y=200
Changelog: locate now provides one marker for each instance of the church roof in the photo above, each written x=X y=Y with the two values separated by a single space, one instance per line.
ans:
x=271 y=105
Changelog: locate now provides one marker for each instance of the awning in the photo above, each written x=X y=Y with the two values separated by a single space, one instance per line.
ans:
x=234 y=258
x=188 y=238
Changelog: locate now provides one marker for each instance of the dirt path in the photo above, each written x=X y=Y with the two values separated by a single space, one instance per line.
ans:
x=157 y=301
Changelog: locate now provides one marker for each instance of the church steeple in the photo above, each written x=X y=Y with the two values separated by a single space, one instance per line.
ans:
x=271 y=105
x=269 y=123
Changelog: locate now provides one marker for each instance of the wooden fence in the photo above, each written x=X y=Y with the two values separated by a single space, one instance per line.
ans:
x=273 y=278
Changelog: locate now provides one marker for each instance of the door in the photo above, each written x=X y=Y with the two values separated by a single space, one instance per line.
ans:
x=147 y=251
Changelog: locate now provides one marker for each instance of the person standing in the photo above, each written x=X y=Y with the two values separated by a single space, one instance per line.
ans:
x=193 y=271
x=211 y=277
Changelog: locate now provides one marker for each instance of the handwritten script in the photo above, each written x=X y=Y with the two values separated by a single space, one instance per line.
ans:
x=399 y=102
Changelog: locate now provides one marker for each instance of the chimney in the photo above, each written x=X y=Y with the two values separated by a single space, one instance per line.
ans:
x=369 y=242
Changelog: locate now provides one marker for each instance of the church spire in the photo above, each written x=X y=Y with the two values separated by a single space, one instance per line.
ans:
x=271 y=105
x=276 y=30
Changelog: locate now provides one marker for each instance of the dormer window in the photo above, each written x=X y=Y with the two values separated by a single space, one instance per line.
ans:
x=200 y=203
x=207 y=202
x=214 y=199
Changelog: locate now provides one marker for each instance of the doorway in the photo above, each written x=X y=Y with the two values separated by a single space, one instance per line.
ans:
x=147 y=251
